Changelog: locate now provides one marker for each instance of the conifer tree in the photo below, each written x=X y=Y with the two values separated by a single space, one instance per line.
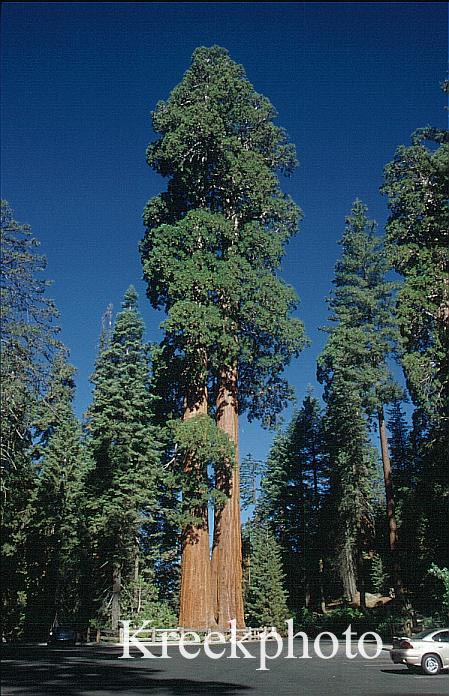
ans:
x=265 y=595
x=364 y=337
x=400 y=450
x=56 y=530
x=349 y=508
x=27 y=344
x=417 y=235
x=293 y=488
x=125 y=448
x=213 y=243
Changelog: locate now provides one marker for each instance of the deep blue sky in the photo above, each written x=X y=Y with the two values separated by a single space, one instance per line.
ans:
x=350 y=81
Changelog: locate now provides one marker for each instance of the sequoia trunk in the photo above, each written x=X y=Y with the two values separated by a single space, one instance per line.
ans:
x=227 y=597
x=195 y=610
x=389 y=496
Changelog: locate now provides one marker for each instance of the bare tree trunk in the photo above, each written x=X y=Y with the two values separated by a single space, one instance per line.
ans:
x=348 y=571
x=390 y=507
x=227 y=596
x=195 y=610
x=136 y=592
x=321 y=584
x=361 y=577
x=116 y=590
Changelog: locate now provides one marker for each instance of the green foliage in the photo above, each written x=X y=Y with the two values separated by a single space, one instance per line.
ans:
x=159 y=614
x=351 y=465
x=27 y=345
x=292 y=491
x=379 y=578
x=443 y=575
x=265 y=595
x=364 y=333
x=335 y=620
x=127 y=479
x=215 y=239
x=56 y=531
x=357 y=382
x=250 y=471
x=202 y=444
x=417 y=233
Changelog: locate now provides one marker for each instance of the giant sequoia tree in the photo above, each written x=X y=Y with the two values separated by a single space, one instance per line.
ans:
x=213 y=244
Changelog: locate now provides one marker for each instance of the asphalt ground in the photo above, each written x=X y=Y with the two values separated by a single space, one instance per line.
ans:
x=98 y=671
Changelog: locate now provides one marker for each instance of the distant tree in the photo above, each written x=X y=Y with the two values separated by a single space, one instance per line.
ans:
x=399 y=442
x=27 y=343
x=55 y=534
x=265 y=595
x=363 y=338
x=417 y=235
x=348 y=513
x=213 y=245
x=125 y=447
x=293 y=489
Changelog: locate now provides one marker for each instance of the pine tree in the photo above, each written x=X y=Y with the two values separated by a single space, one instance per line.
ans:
x=125 y=448
x=349 y=508
x=214 y=241
x=27 y=343
x=416 y=183
x=55 y=542
x=265 y=595
x=417 y=235
x=293 y=488
x=364 y=337
x=400 y=451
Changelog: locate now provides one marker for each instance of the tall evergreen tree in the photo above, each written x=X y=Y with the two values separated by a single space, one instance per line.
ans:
x=349 y=508
x=265 y=595
x=293 y=489
x=364 y=337
x=124 y=445
x=27 y=343
x=213 y=243
x=400 y=451
x=417 y=235
x=55 y=541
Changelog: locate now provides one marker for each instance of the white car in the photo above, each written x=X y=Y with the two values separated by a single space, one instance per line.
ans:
x=428 y=650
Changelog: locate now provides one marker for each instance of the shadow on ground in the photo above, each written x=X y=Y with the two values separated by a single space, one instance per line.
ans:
x=42 y=671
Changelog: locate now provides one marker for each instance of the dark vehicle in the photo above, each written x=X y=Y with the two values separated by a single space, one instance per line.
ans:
x=62 y=635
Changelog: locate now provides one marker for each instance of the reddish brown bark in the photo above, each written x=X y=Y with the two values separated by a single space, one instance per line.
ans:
x=390 y=507
x=388 y=480
x=195 y=610
x=226 y=576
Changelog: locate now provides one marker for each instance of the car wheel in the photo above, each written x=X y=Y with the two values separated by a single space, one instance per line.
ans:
x=431 y=664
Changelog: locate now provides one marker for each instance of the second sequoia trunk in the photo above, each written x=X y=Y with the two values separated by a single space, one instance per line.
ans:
x=226 y=580
x=195 y=609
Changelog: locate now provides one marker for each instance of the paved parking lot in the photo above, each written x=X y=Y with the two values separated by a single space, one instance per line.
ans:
x=97 y=671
